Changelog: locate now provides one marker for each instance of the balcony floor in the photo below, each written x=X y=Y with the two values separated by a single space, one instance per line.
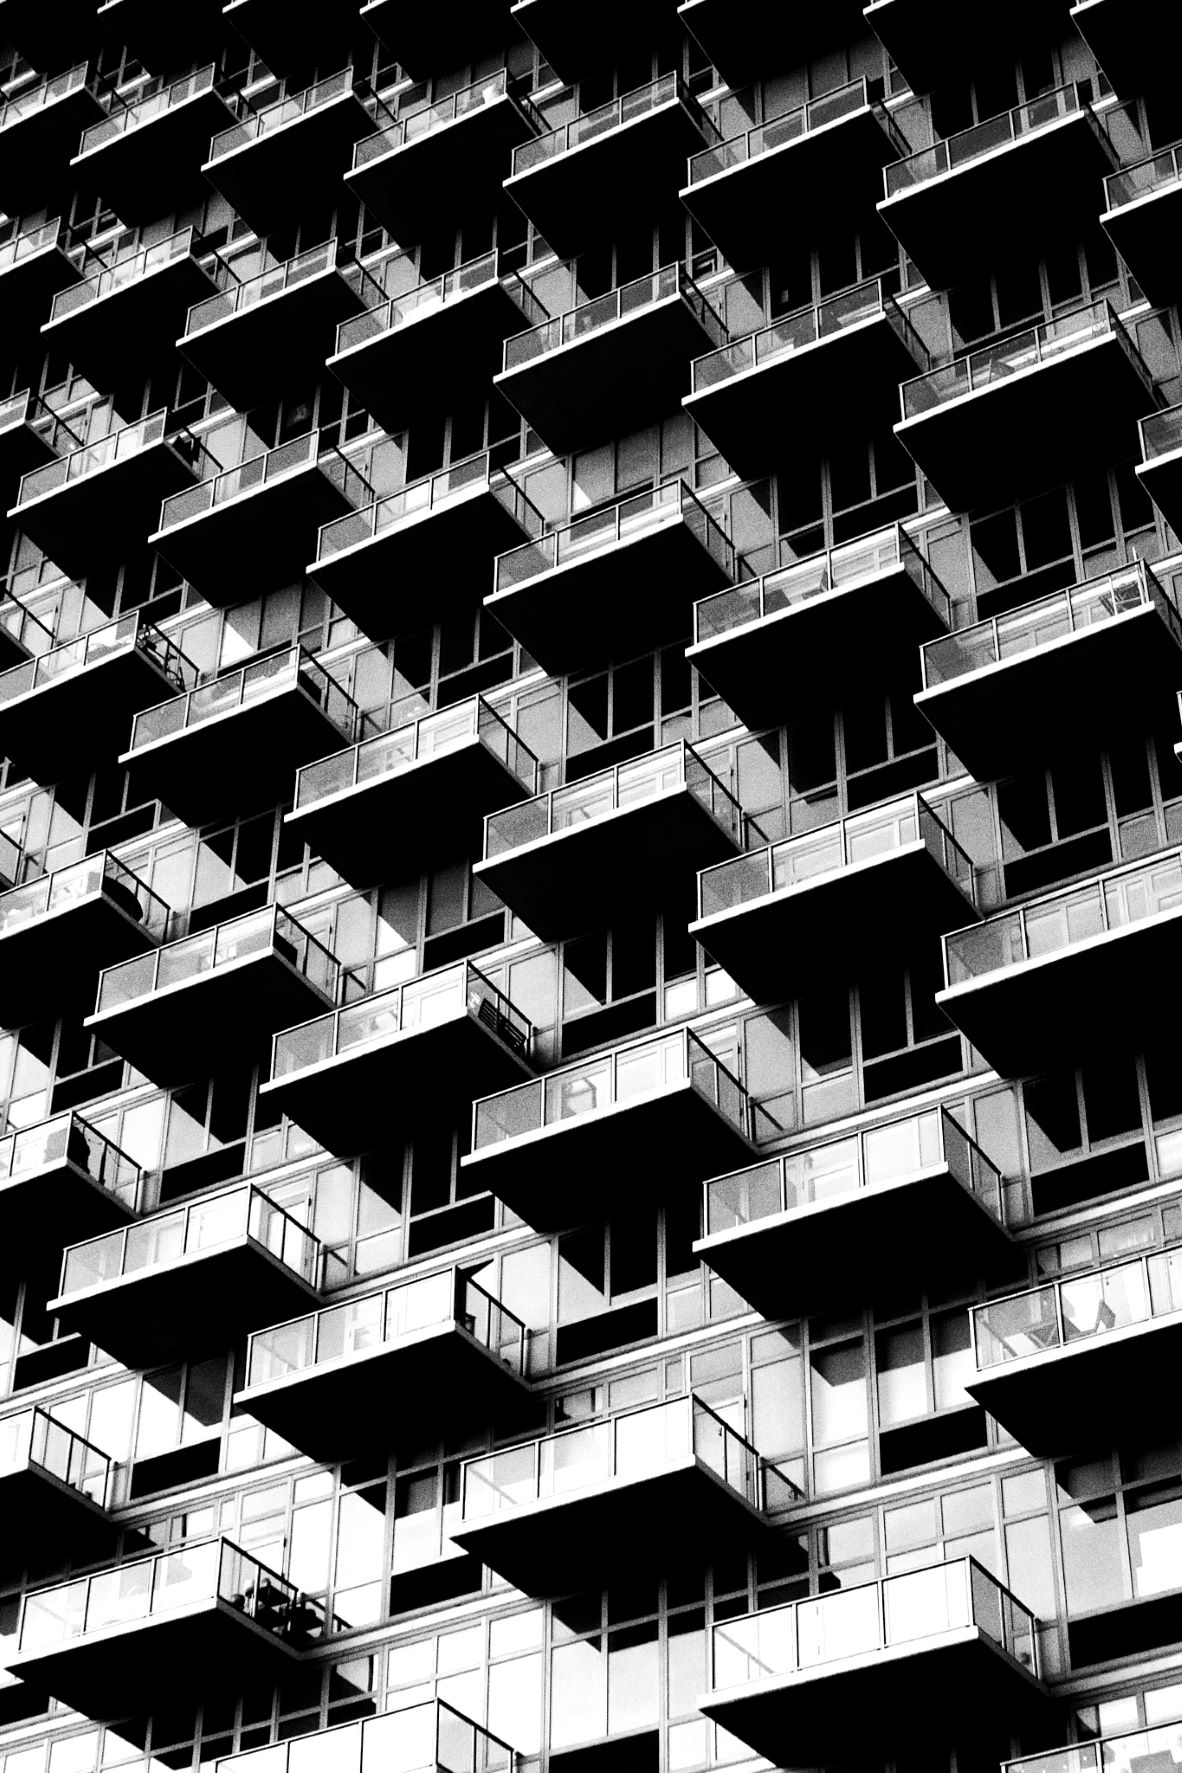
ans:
x=251 y=356
x=1162 y=480
x=412 y=186
x=54 y=959
x=59 y=1203
x=273 y=179
x=258 y=540
x=424 y=39
x=139 y=322
x=98 y=516
x=41 y=729
x=145 y=172
x=54 y=1515
x=1141 y=233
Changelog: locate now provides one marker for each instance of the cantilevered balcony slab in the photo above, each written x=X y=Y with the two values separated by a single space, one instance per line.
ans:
x=217 y=996
x=613 y=583
x=779 y=398
x=611 y=1134
x=426 y=786
x=611 y=364
x=1160 y=472
x=613 y=1498
x=1041 y=407
x=425 y=41
x=375 y=562
x=1031 y=174
x=24 y=444
x=851 y=1671
x=163 y=37
x=1143 y=210
x=580 y=37
x=1031 y=987
x=1074 y=1366
x=1028 y=682
x=44 y=37
x=747 y=38
x=88 y=507
x=817 y=163
x=40 y=125
x=127 y=313
x=582 y=182
x=931 y=45
x=422 y=166
x=58 y=930
x=783 y=919
x=57 y=1486
x=274 y=163
x=287 y=36
x=241 y=737
x=61 y=1181
x=193 y=1623
x=253 y=526
x=33 y=268
x=563 y=860
x=850 y=1220
x=354 y=1077
x=409 y=354
x=141 y=158
x=435 y=1354
x=801 y=635
x=1125 y=36
x=191 y=1281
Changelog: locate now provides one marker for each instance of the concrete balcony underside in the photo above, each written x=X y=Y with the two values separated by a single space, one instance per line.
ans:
x=141 y=171
x=43 y=35
x=1162 y=480
x=161 y=36
x=258 y=539
x=581 y=37
x=1125 y=38
x=1142 y=233
x=35 y=152
x=448 y=168
x=96 y=517
x=53 y=1514
x=55 y=959
x=138 y=322
x=930 y=44
x=275 y=178
x=28 y=287
x=425 y=39
x=285 y=35
x=251 y=355
x=22 y=448
x=57 y=1203
x=95 y=705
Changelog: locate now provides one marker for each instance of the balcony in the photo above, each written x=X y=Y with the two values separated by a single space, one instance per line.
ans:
x=783 y=919
x=61 y=1181
x=146 y=153
x=450 y=156
x=563 y=860
x=253 y=337
x=1030 y=987
x=931 y=45
x=612 y=1133
x=164 y=36
x=1025 y=683
x=802 y=634
x=356 y=1078
x=625 y=160
x=201 y=1621
x=427 y=785
x=273 y=164
x=57 y=1486
x=906 y=1660
x=24 y=443
x=22 y=635
x=251 y=526
x=821 y=161
x=1143 y=208
x=743 y=38
x=611 y=1499
x=92 y=505
x=406 y=355
x=286 y=36
x=44 y=37
x=1123 y=36
x=1013 y=181
x=214 y=996
x=376 y=562
x=240 y=738
x=39 y=129
x=33 y=268
x=127 y=312
x=424 y=41
x=1160 y=472
x=1075 y=1365
x=1040 y=407
x=611 y=364
x=820 y=362
x=444 y=1347
x=848 y=1220
x=58 y=931
x=432 y=1736
x=617 y=582
x=89 y=688
x=579 y=37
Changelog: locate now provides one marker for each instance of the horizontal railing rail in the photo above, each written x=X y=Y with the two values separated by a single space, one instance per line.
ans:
x=622 y=303
x=252 y=124
x=384 y=314
x=1077 y=1307
x=129 y=633
x=129 y=114
x=1140 y=1751
x=34 y=1437
x=262 y=469
x=971 y=144
x=88 y=458
x=38 y=98
x=806 y=326
x=102 y=875
x=291 y=668
x=669 y=503
x=67 y=1138
x=402 y=131
x=432 y=1737
x=32 y=241
x=1161 y=433
x=818 y=113
x=236 y=295
x=640 y=102
x=1144 y=177
x=474 y=473
x=123 y=272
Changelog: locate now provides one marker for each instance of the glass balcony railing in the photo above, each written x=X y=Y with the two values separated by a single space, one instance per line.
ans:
x=1062 y=920
x=431 y=735
x=807 y=326
x=871 y=557
x=861 y=837
x=418 y=1004
x=671 y=503
x=150 y=1588
x=126 y=634
x=909 y=1608
x=818 y=113
x=99 y=876
x=404 y=130
x=116 y=277
x=20 y=624
x=432 y=493
x=26 y=245
x=643 y=1068
x=116 y=446
x=34 y=1438
x=127 y=117
x=984 y=138
x=12 y=860
x=613 y=790
x=237 y=296
x=385 y=316
x=427 y=1738
x=837 y=1168
x=1137 y=1751
x=1145 y=178
x=1045 y=343
x=626 y=109
x=1161 y=433
x=209 y=1223
x=193 y=957
x=273 y=675
x=1076 y=1307
x=1074 y=611
x=604 y=310
x=263 y=469
x=342 y=1331
x=266 y=121
x=39 y=98
x=67 y=1138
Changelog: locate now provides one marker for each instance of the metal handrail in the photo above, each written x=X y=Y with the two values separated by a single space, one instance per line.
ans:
x=23 y=246
x=143 y=109
x=130 y=633
x=810 y=325
x=1161 y=433
x=261 y=469
x=599 y=311
x=25 y=104
x=34 y=1437
x=431 y=1735
x=99 y=875
x=979 y=139
x=68 y=1138
x=817 y=113
x=274 y=673
x=249 y=292
x=1077 y=1306
x=388 y=313
x=401 y=131
x=459 y=478
x=117 y=276
x=1155 y=173
x=283 y=111
x=642 y=100
x=89 y=458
